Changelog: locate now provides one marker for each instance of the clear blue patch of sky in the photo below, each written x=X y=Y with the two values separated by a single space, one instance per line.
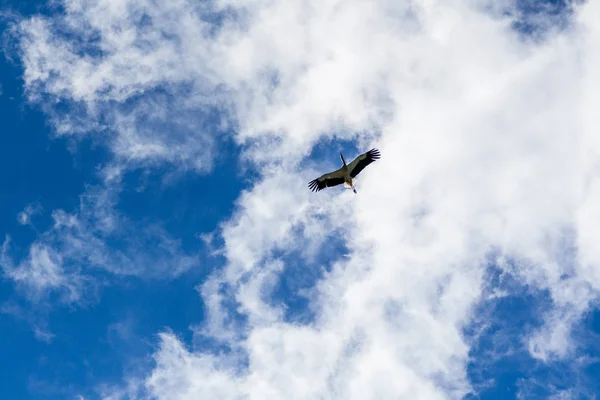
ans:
x=19 y=351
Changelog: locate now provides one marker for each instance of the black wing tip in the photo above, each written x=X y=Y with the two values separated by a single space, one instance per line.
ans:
x=374 y=154
x=314 y=185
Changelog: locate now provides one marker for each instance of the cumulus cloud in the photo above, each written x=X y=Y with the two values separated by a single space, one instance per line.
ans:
x=488 y=144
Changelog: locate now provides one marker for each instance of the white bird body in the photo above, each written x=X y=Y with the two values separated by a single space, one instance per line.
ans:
x=347 y=172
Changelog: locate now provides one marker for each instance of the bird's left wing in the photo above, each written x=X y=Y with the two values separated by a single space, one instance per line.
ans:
x=331 y=179
x=362 y=161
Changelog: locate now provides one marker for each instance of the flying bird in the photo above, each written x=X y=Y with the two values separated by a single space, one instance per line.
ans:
x=346 y=173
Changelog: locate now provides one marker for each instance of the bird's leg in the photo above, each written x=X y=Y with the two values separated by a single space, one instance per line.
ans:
x=353 y=189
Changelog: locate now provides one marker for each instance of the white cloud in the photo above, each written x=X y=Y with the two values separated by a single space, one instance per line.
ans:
x=96 y=236
x=41 y=272
x=24 y=217
x=130 y=88
x=488 y=143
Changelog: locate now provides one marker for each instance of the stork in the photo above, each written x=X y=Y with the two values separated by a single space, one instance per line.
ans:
x=346 y=173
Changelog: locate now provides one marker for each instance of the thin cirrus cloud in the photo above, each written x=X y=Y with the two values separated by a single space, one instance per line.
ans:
x=489 y=146
x=60 y=262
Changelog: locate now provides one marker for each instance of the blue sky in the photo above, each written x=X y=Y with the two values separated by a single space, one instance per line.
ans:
x=161 y=241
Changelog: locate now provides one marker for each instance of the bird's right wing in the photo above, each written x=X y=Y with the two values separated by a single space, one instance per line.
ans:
x=331 y=179
x=362 y=161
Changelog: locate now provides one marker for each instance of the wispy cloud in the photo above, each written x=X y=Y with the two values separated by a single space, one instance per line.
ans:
x=30 y=210
x=122 y=80
x=489 y=143
x=38 y=324
x=41 y=273
x=95 y=237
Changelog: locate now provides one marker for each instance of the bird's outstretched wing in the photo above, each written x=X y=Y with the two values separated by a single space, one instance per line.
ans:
x=331 y=179
x=362 y=161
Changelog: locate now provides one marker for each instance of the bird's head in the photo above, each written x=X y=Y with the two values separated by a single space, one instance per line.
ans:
x=342 y=158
